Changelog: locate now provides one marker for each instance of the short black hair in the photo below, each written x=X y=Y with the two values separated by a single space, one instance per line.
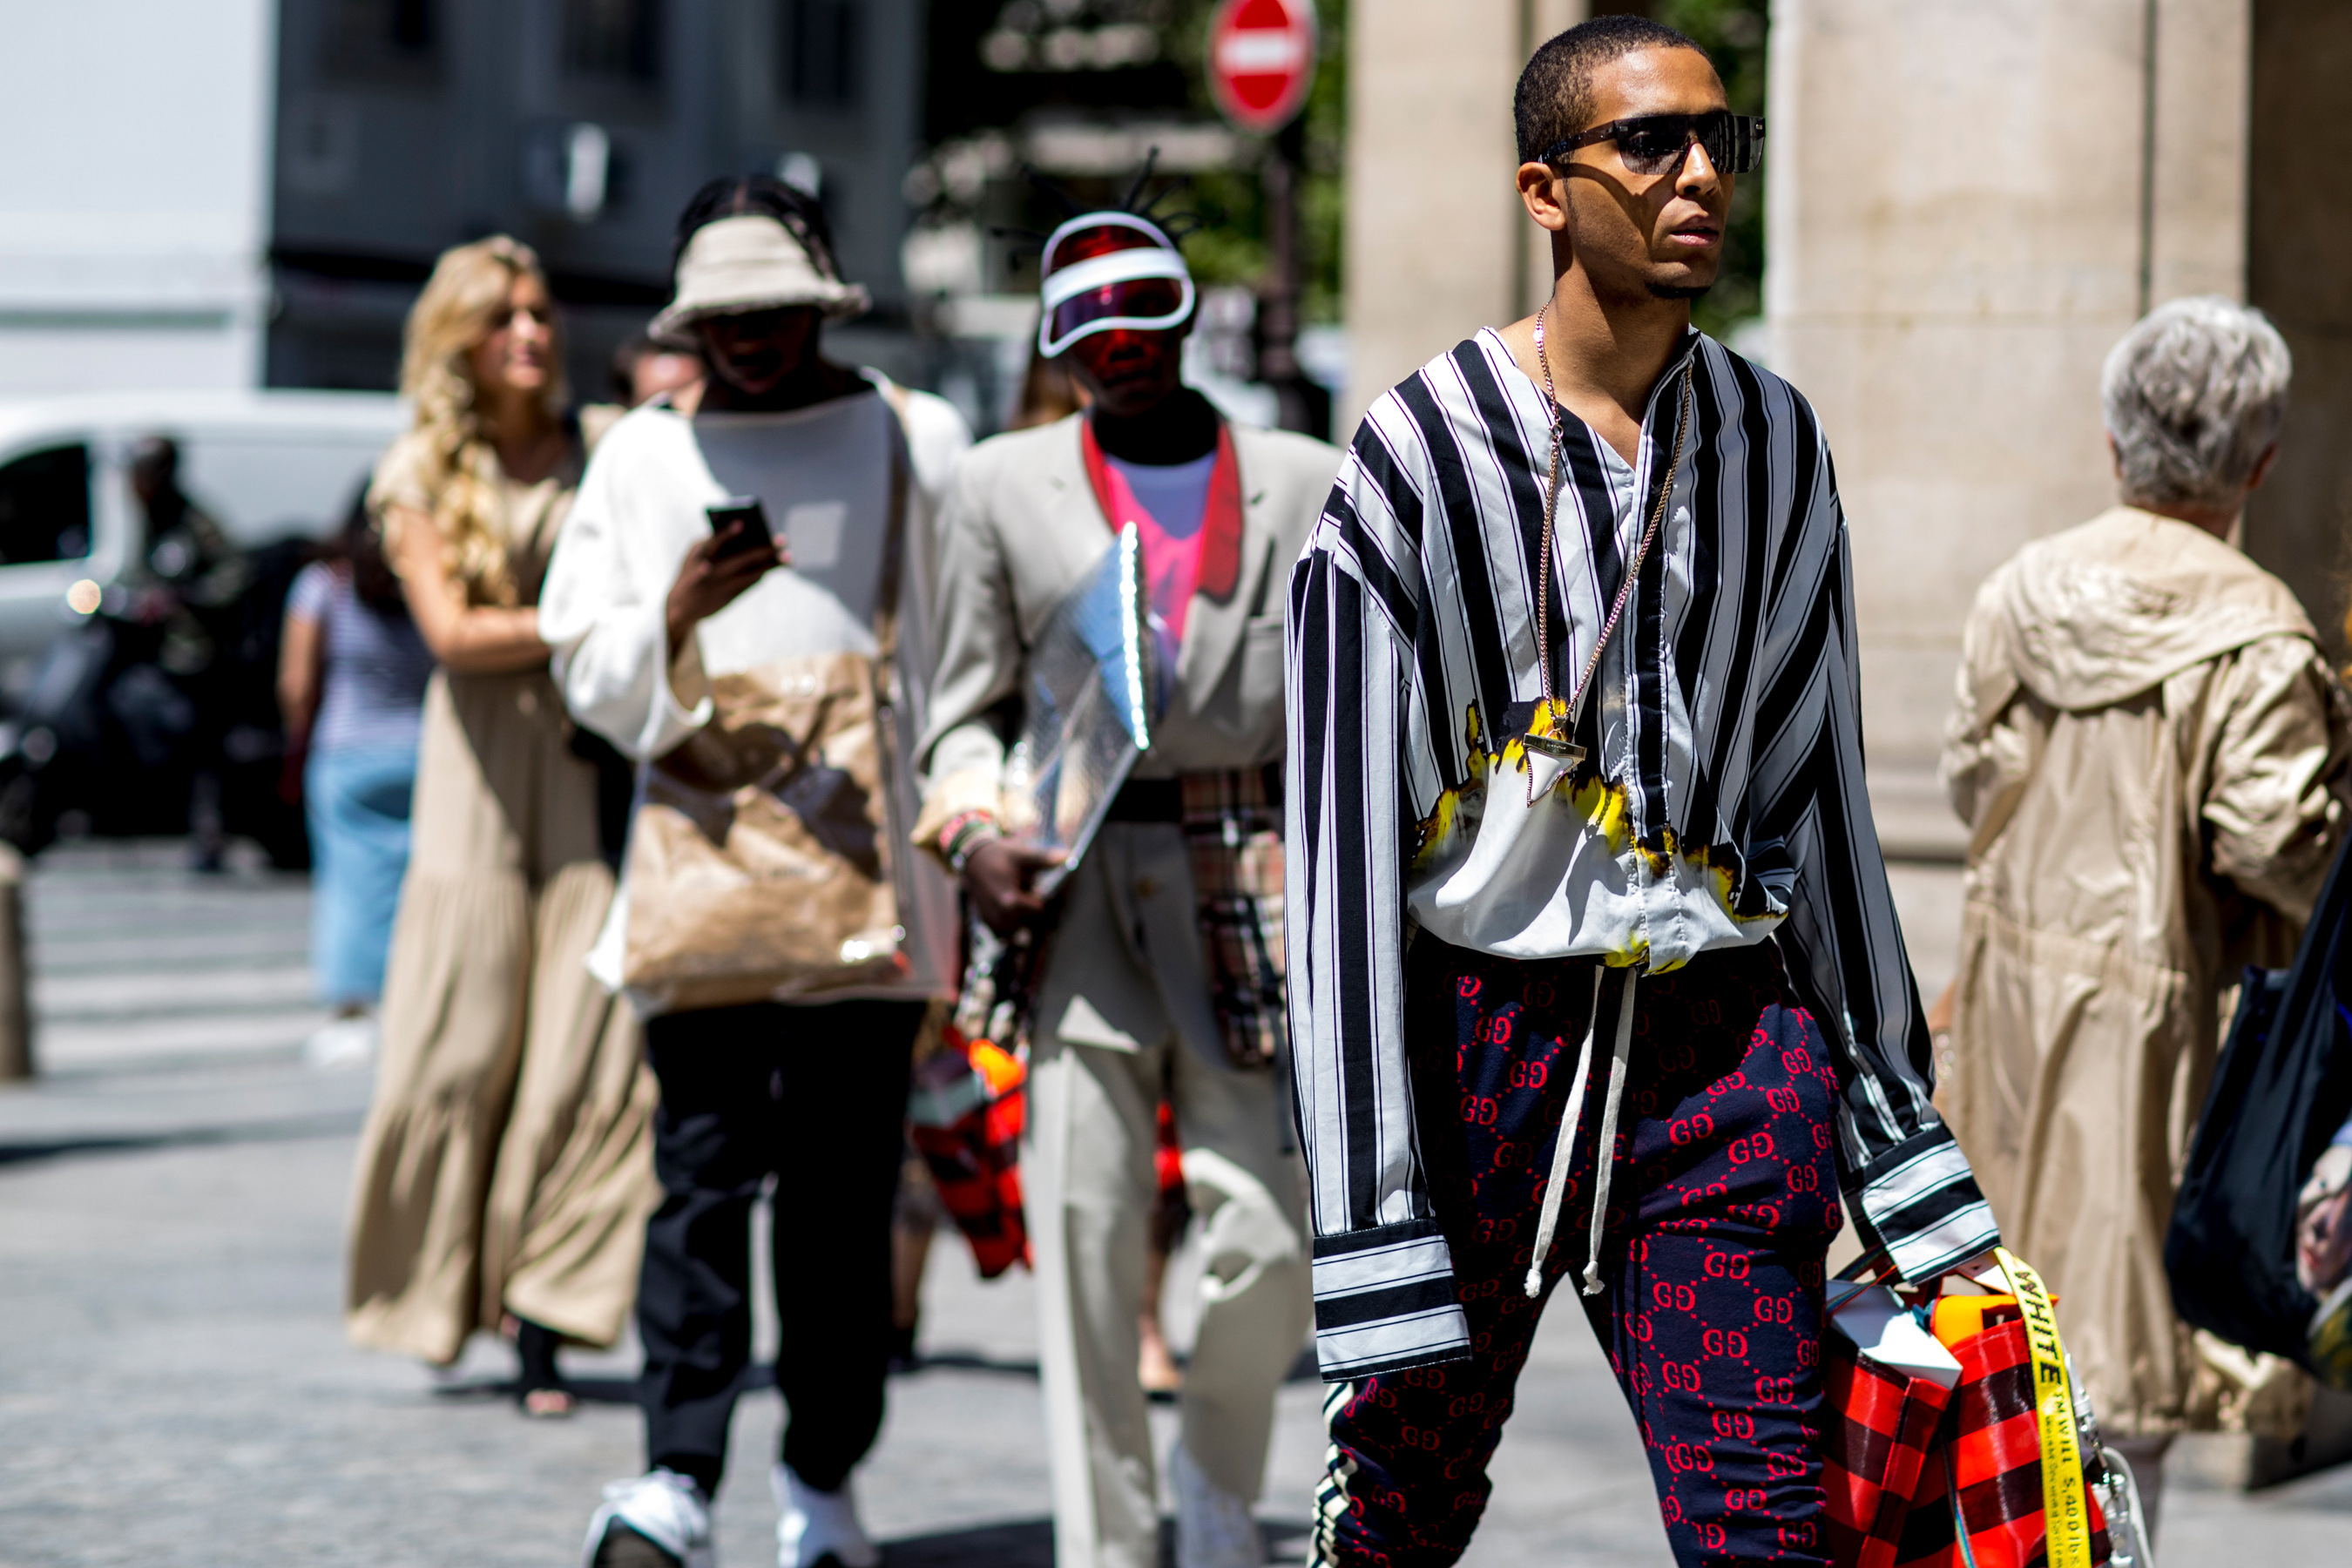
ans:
x=764 y=196
x=624 y=368
x=1554 y=100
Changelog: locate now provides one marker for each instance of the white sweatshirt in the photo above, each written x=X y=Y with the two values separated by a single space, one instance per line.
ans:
x=823 y=475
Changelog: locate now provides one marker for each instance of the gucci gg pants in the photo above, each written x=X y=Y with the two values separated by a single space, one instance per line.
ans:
x=1722 y=1200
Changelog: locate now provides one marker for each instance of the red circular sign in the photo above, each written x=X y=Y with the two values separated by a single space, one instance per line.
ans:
x=1261 y=60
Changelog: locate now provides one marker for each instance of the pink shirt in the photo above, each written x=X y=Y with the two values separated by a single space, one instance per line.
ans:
x=1168 y=504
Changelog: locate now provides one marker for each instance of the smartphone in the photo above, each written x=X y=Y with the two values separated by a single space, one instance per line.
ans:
x=746 y=510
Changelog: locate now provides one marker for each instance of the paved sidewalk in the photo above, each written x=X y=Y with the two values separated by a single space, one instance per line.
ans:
x=173 y=1339
x=175 y=1388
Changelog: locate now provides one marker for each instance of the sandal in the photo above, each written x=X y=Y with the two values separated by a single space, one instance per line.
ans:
x=539 y=1392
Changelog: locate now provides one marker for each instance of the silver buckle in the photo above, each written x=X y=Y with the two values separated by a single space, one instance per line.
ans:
x=1558 y=746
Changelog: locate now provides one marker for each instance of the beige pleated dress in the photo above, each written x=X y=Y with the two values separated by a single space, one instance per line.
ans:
x=507 y=1164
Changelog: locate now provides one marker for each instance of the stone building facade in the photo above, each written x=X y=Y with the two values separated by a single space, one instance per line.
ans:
x=242 y=193
x=1971 y=200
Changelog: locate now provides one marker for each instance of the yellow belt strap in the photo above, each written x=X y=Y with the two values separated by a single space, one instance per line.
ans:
x=2065 y=1506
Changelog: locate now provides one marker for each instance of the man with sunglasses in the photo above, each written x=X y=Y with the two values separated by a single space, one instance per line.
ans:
x=1597 y=976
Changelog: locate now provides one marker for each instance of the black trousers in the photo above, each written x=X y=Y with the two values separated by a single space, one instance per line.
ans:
x=817 y=1097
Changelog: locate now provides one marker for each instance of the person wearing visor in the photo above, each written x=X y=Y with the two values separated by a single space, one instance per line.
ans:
x=1133 y=991
x=660 y=621
x=1598 y=988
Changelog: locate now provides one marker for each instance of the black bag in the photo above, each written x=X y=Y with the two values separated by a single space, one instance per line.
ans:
x=2281 y=1089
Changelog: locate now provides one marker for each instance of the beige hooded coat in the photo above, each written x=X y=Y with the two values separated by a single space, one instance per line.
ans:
x=2150 y=753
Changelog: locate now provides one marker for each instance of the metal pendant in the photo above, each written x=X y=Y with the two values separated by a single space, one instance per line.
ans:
x=1566 y=751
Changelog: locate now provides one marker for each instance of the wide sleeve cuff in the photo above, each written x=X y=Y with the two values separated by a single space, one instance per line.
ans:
x=1385 y=1301
x=669 y=721
x=951 y=795
x=1918 y=1204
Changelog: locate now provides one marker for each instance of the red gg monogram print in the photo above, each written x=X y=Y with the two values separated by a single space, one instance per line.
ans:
x=1722 y=1200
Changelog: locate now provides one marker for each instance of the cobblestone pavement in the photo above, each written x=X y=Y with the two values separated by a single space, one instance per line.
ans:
x=174 y=1386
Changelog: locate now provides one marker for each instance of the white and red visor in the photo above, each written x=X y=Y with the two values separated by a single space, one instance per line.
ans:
x=1105 y=272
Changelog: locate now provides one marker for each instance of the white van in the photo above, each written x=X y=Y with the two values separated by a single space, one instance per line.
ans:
x=267 y=465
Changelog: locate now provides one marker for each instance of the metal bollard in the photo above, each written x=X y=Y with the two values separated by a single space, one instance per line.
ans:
x=15 y=1017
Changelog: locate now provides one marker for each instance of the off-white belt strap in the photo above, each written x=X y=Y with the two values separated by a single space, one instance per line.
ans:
x=1604 y=1153
x=1565 y=1150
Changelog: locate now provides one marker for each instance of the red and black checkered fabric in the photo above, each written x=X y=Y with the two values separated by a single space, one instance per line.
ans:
x=974 y=1160
x=1990 y=1459
x=1880 y=1428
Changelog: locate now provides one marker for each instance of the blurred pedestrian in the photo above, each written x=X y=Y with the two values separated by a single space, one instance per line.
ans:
x=1162 y=970
x=1599 y=985
x=1049 y=392
x=663 y=627
x=506 y=1168
x=192 y=579
x=352 y=675
x=1171 y=1214
x=2150 y=752
x=643 y=370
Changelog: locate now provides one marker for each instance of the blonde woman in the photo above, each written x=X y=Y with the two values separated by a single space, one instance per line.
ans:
x=506 y=1170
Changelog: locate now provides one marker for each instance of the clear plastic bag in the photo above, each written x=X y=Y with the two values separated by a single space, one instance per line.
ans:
x=1094 y=691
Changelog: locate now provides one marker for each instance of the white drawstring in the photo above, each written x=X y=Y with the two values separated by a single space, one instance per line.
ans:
x=1604 y=1153
x=1566 y=1148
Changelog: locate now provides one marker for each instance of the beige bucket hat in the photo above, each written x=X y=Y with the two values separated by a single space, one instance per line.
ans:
x=753 y=262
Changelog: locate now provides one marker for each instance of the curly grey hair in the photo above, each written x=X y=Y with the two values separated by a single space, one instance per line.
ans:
x=2194 y=395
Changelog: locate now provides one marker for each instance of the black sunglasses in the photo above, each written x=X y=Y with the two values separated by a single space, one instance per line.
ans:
x=1657 y=143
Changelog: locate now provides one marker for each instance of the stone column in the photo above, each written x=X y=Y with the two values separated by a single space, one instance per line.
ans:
x=2299 y=159
x=1436 y=238
x=1971 y=201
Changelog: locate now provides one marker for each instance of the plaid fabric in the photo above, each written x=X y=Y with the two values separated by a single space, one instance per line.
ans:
x=1880 y=1431
x=964 y=1117
x=1167 y=1153
x=1232 y=834
x=1989 y=1472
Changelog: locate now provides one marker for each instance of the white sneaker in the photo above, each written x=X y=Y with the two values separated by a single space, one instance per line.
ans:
x=815 y=1526
x=1214 y=1529
x=663 y=1509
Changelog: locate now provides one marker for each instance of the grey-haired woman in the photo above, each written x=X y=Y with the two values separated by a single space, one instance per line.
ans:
x=2151 y=754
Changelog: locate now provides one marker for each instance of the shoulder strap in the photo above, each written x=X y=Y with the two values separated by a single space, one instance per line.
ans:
x=894 y=537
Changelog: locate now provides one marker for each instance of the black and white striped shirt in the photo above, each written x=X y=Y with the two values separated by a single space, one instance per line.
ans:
x=1723 y=802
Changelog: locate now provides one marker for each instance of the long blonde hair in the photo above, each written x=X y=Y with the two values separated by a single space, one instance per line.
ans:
x=462 y=301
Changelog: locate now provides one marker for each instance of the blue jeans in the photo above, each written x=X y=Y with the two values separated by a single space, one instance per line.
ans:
x=357 y=806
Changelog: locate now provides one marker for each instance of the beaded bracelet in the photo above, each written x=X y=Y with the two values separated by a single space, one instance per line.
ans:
x=964 y=833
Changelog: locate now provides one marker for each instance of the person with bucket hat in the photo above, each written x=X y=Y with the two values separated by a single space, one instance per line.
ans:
x=1148 y=950
x=737 y=579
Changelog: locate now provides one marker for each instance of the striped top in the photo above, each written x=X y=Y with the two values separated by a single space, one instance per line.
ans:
x=1722 y=803
x=376 y=664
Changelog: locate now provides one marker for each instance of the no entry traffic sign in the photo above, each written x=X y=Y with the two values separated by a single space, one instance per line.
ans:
x=1261 y=60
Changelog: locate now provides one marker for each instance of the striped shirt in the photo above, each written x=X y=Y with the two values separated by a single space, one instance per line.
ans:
x=376 y=664
x=1722 y=803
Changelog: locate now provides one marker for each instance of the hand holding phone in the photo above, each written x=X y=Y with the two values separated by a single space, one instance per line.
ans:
x=753 y=532
x=719 y=570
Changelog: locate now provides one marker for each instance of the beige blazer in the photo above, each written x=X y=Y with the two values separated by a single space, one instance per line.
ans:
x=1021 y=529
